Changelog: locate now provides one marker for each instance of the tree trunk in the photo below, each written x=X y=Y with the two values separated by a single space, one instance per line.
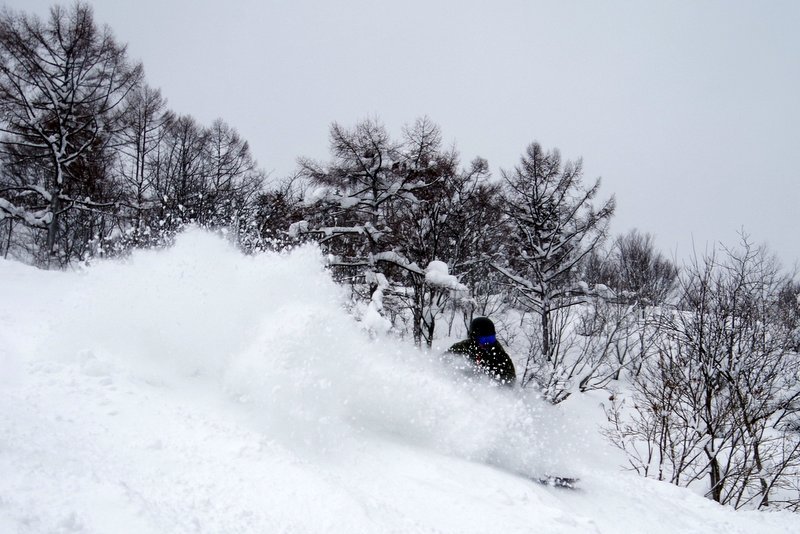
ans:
x=716 y=477
x=546 y=333
x=763 y=481
x=431 y=328
x=10 y=234
x=417 y=328
x=52 y=227
x=417 y=312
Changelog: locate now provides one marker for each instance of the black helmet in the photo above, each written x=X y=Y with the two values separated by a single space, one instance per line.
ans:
x=481 y=327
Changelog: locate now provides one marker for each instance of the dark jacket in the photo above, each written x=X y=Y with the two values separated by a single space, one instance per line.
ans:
x=491 y=360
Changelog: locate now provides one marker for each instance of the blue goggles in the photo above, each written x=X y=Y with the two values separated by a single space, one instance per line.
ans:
x=486 y=340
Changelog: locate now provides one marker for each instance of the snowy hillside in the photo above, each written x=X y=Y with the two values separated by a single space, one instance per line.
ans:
x=199 y=390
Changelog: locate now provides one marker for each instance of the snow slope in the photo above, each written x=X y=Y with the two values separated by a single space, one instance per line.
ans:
x=199 y=390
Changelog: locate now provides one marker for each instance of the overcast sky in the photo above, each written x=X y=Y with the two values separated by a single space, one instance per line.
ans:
x=688 y=110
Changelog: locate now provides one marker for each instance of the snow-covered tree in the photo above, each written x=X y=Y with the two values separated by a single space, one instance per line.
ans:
x=553 y=225
x=441 y=226
x=61 y=85
x=382 y=209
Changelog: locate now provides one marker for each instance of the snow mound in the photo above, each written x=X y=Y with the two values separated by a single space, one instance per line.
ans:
x=198 y=389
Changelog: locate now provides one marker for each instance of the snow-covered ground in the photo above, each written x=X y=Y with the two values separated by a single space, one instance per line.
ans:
x=199 y=390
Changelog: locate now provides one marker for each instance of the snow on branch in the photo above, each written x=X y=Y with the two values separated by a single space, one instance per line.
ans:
x=338 y=230
x=30 y=189
x=297 y=228
x=518 y=280
x=372 y=319
x=437 y=274
x=37 y=219
x=397 y=259
x=302 y=227
x=580 y=289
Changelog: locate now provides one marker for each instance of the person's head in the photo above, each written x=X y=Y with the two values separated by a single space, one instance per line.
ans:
x=481 y=329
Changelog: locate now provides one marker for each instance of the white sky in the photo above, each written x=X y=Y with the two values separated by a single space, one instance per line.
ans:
x=689 y=110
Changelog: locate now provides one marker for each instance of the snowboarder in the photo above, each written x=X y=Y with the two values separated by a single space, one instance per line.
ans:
x=485 y=353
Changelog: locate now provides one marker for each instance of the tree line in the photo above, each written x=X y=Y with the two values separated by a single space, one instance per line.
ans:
x=91 y=156
x=700 y=361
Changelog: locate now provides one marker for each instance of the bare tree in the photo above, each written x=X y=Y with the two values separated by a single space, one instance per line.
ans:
x=720 y=402
x=61 y=85
x=179 y=171
x=233 y=178
x=634 y=269
x=621 y=327
x=145 y=123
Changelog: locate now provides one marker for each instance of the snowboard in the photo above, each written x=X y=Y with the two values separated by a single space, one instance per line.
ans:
x=552 y=481
x=557 y=481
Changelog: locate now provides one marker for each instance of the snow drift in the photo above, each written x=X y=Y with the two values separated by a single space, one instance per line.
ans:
x=198 y=389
